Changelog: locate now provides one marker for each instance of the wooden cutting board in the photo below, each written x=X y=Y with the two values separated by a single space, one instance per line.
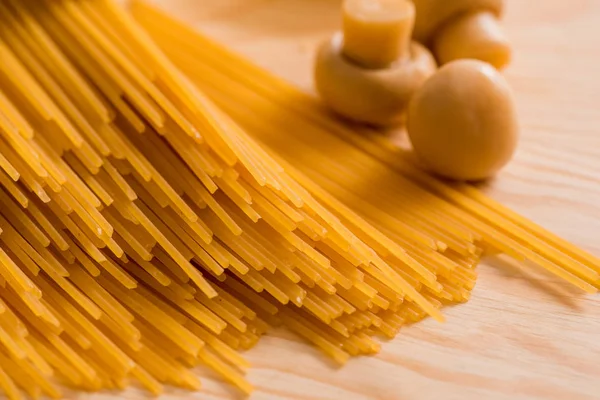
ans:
x=524 y=335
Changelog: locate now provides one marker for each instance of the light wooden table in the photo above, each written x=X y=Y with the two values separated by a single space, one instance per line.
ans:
x=523 y=335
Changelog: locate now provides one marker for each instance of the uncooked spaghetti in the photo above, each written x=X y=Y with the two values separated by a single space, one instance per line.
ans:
x=146 y=231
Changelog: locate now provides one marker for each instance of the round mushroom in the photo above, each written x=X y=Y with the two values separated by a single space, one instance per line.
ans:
x=463 y=29
x=462 y=123
x=369 y=72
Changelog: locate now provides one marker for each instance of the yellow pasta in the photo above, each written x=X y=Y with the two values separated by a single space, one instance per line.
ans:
x=145 y=229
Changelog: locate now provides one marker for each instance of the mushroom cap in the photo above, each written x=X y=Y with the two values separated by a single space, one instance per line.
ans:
x=475 y=35
x=462 y=123
x=433 y=14
x=373 y=96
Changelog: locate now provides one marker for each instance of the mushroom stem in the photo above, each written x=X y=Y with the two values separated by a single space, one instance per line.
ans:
x=475 y=35
x=377 y=33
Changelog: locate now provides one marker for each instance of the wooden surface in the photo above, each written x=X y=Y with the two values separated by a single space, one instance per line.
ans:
x=523 y=335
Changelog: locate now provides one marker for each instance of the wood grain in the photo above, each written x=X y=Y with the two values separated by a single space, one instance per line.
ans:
x=523 y=335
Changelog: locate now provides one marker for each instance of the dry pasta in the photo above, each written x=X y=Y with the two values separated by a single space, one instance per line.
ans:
x=144 y=230
x=141 y=220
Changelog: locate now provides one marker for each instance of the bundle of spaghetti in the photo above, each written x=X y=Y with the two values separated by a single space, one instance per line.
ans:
x=352 y=163
x=419 y=239
x=144 y=232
